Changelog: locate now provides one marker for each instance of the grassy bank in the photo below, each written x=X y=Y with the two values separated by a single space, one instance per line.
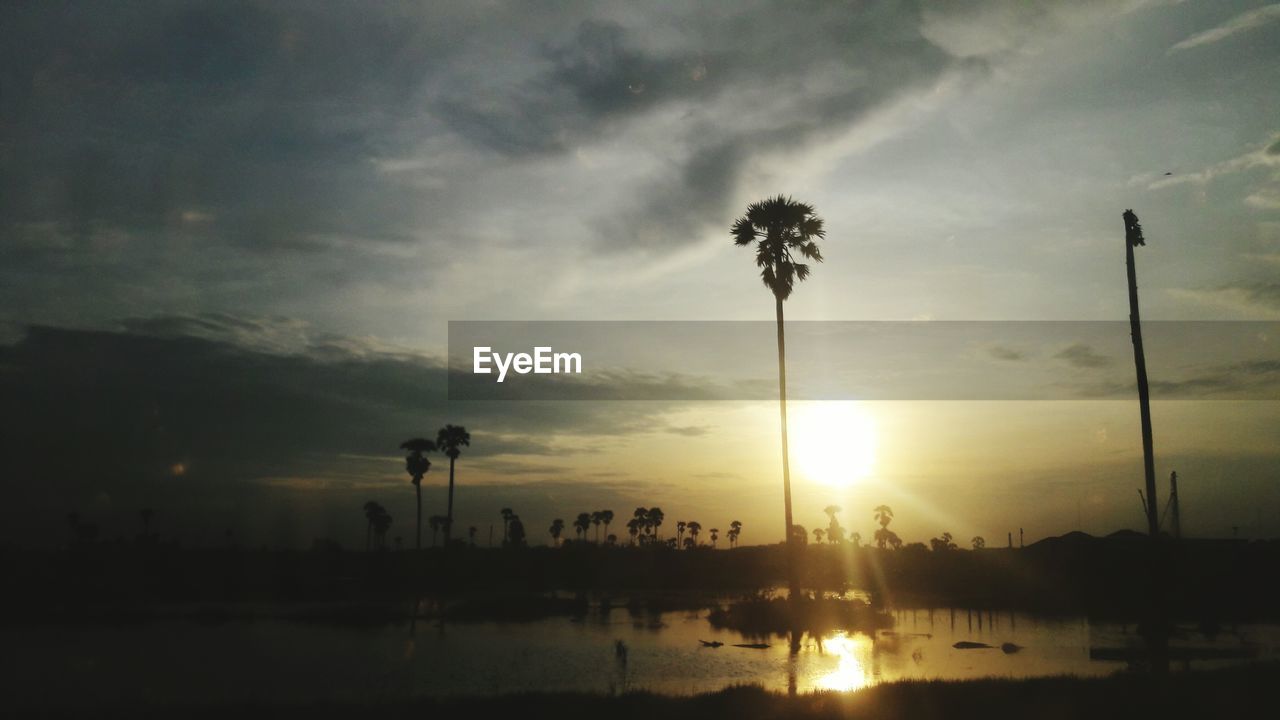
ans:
x=1236 y=692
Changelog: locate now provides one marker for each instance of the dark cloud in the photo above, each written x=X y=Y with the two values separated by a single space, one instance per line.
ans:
x=1001 y=352
x=201 y=425
x=1083 y=356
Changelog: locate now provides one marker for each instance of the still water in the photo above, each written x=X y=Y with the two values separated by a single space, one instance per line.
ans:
x=273 y=660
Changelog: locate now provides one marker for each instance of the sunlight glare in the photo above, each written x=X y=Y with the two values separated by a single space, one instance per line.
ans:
x=833 y=443
x=849 y=673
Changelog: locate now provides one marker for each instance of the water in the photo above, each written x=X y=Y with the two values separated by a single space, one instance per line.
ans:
x=272 y=660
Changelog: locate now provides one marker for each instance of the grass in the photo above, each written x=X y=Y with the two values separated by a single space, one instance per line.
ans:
x=1242 y=691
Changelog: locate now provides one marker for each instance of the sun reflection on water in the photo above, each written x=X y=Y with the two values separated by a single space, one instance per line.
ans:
x=850 y=673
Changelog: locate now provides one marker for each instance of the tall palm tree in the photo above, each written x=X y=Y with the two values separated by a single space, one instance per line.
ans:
x=633 y=529
x=557 y=527
x=781 y=228
x=818 y=535
x=417 y=465
x=581 y=524
x=695 y=529
x=451 y=439
x=735 y=529
x=680 y=526
x=715 y=535
x=883 y=514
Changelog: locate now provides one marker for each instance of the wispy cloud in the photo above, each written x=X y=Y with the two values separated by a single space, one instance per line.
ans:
x=1234 y=26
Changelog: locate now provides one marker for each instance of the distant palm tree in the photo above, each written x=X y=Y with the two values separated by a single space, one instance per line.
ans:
x=715 y=535
x=506 y=520
x=371 y=512
x=780 y=228
x=883 y=515
x=557 y=527
x=856 y=539
x=680 y=526
x=979 y=542
x=451 y=439
x=381 y=524
x=606 y=516
x=655 y=518
x=516 y=537
x=417 y=465
x=581 y=525
x=436 y=522
x=735 y=529
x=695 y=529
x=818 y=534
x=633 y=529
x=641 y=516
x=597 y=518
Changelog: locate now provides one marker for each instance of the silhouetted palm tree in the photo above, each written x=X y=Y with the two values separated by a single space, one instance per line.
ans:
x=417 y=465
x=654 y=521
x=856 y=539
x=641 y=516
x=451 y=439
x=680 y=526
x=715 y=535
x=506 y=520
x=735 y=529
x=695 y=529
x=436 y=522
x=581 y=525
x=780 y=228
x=633 y=529
x=818 y=534
x=516 y=536
x=381 y=524
x=557 y=527
x=979 y=542
x=883 y=515
x=371 y=512
x=597 y=517
x=606 y=516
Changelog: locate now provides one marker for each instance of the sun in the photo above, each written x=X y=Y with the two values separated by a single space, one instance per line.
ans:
x=833 y=443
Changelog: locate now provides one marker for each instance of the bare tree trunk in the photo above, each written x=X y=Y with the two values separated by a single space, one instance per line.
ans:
x=1144 y=394
x=448 y=525
x=793 y=583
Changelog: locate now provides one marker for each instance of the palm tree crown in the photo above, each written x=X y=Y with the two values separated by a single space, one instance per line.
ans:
x=780 y=227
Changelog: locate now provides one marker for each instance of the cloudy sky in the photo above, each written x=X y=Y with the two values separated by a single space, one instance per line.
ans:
x=232 y=236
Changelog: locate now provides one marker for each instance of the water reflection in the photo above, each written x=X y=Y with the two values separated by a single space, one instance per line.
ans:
x=296 y=662
x=852 y=654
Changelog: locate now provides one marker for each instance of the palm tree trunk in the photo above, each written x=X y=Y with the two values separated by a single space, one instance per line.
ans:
x=793 y=584
x=448 y=526
x=1144 y=394
x=417 y=489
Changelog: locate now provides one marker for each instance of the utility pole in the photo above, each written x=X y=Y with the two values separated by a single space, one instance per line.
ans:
x=1133 y=238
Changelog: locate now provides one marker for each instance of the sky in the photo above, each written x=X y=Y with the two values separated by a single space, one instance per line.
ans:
x=233 y=234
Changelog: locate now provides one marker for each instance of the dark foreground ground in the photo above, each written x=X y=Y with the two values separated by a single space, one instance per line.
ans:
x=1237 y=692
